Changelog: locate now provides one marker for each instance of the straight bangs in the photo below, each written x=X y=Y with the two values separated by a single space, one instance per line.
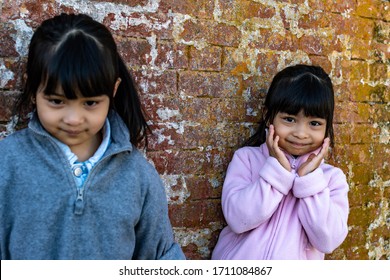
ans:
x=81 y=67
x=307 y=93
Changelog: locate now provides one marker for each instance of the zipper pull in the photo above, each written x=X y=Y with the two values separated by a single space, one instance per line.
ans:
x=293 y=164
x=79 y=203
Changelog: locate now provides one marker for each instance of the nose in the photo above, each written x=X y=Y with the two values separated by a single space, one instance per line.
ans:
x=73 y=117
x=300 y=131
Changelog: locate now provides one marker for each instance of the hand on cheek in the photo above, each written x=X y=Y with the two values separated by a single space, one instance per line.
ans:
x=274 y=150
x=314 y=160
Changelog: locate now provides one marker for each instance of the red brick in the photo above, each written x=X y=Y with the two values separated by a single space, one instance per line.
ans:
x=208 y=84
x=340 y=6
x=239 y=11
x=354 y=112
x=312 y=45
x=363 y=216
x=172 y=56
x=355 y=70
x=364 y=133
x=135 y=52
x=210 y=32
x=366 y=93
x=199 y=8
x=185 y=215
x=141 y=25
x=363 y=194
x=7 y=101
x=131 y=3
x=204 y=187
x=358 y=27
x=208 y=58
x=381 y=162
x=275 y=41
x=149 y=82
x=225 y=35
x=7 y=42
x=317 y=5
x=360 y=49
x=318 y=19
x=13 y=69
x=365 y=8
x=323 y=62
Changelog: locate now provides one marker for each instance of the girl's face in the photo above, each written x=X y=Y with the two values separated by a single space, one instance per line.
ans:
x=299 y=134
x=76 y=123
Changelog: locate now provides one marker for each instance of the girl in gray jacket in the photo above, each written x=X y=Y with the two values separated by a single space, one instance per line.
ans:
x=73 y=184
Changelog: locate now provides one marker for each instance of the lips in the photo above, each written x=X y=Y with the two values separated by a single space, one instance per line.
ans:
x=72 y=132
x=298 y=145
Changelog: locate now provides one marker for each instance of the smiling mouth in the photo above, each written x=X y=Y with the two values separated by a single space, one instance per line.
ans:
x=298 y=145
x=72 y=132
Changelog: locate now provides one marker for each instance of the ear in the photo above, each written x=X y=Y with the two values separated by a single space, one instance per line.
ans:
x=117 y=83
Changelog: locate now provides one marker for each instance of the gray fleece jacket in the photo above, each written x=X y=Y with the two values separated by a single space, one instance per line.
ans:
x=123 y=212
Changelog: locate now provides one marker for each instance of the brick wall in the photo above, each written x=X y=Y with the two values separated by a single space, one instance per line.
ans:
x=203 y=67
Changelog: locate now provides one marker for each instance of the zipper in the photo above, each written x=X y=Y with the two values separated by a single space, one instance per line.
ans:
x=293 y=163
x=79 y=203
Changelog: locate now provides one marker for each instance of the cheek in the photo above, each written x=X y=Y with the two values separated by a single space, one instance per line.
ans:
x=279 y=130
x=98 y=119
x=44 y=114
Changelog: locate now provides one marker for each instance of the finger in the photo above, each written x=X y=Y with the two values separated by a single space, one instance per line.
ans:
x=276 y=143
x=271 y=131
x=325 y=147
x=270 y=137
x=311 y=157
x=326 y=142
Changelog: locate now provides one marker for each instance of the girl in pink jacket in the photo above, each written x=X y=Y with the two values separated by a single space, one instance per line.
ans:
x=280 y=200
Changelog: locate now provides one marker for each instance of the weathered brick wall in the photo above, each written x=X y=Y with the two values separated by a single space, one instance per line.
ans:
x=203 y=67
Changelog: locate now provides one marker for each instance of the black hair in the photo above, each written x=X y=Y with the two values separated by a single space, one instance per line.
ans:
x=80 y=55
x=296 y=88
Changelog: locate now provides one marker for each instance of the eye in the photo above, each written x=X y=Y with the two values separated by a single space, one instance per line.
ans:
x=289 y=119
x=55 y=101
x=91 y=103
x=315 y=123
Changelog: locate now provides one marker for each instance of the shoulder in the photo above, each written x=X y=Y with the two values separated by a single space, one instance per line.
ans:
x=140 y=159
x=14 y=150
x=249 y=158
x=251 y=153
x=18 y=139
x=138 y=165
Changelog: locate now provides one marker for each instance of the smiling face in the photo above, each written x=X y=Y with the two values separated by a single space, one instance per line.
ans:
x=299 y=134
x=75 y=122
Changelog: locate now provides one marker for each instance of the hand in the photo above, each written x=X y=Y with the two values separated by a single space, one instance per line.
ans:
x=274 y=150
x=314 y=160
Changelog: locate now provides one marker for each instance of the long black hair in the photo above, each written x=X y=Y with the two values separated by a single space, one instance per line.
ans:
x=296 y=88
x=80 y=54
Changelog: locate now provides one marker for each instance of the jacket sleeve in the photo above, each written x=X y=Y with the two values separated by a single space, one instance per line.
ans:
x=323 y=207
x=154 y=234
x=249 y=199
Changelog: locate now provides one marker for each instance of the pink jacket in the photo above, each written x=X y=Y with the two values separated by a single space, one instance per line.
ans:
x=275 y=214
